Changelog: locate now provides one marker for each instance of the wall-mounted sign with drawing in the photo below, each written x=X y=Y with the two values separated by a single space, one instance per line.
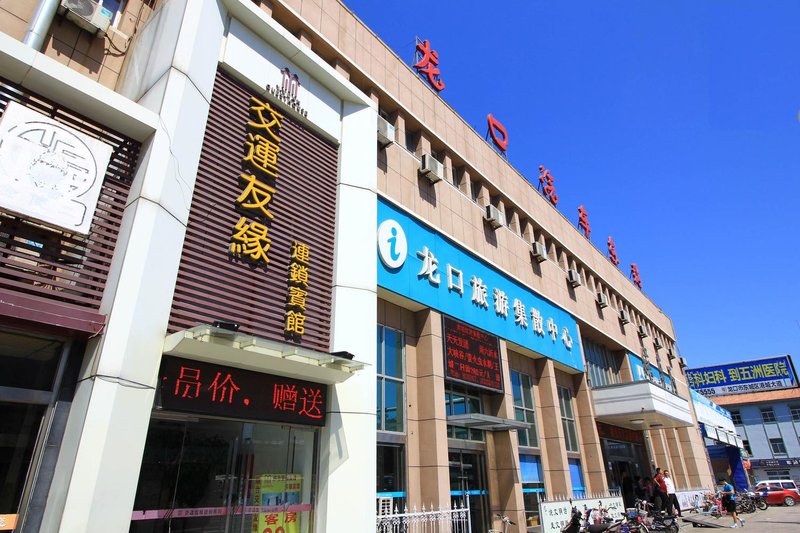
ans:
x=49 y=171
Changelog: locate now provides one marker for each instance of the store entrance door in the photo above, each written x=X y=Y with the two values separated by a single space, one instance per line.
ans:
x=468 y=480
x=224 y=476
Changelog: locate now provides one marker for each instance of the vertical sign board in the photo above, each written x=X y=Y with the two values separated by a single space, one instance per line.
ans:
x=196 y=387
x=259 y=241
x=471 y=356
x=760 y=375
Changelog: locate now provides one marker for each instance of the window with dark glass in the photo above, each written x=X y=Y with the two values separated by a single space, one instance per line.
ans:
x=795 y=412
x=767 y=415
x=524 y=408
x=746 y=444
x=568 y=419
x=736 y=416
x=601 y=363
x=390 y=479
x=390 y=385
x=461 y=401
x=778 y=447
x=532 y=487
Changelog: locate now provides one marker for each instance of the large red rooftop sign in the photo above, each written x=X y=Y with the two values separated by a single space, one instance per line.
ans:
x=428 y=64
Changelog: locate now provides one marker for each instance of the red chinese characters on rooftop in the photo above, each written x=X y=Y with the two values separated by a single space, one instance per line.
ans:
x=635 y=275
x=583 y=221
x=428 y=64
x=546 y=184
x=498 y=133
x=612 y=251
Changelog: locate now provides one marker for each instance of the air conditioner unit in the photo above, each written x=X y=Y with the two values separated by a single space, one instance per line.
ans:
x=602 y=300
x=670 y=354
x=538 y=251
x=624 y=316
x=657 y=344
x=431 y=168
x=494 y=216
x=87 y=15
x=682 y=362
x=385 y=132
x=642 y=331
x=573 y=277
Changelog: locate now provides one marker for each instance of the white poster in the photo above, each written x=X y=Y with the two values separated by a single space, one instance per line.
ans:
x=49 y=171
x=555 y=515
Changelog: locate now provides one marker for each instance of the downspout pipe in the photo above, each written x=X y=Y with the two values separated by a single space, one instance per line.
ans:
x=40 y=23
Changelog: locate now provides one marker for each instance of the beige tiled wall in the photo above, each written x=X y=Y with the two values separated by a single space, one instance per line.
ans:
x=98 y=58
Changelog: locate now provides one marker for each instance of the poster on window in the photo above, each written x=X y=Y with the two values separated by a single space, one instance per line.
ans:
x=278 y=491
x=49 y=172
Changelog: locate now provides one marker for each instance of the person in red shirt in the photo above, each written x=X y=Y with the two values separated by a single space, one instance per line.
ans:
x=659 y=495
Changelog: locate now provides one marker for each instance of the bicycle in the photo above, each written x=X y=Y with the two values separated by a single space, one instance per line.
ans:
x=506 y=522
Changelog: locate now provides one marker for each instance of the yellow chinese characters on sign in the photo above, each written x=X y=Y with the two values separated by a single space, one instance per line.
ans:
x=249 y=240
x=298 y=284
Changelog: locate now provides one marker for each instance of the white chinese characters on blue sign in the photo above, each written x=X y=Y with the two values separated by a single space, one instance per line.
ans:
x=421 y=264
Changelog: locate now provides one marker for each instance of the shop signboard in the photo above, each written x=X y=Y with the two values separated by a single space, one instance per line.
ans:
x=216 y=390
x=419 y=263
x=654 y=376
x=760 y=375
x=471 y=355
x=49 y=171
x=771 y=463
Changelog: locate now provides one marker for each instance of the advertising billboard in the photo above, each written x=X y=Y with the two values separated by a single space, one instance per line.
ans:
x=760 y=375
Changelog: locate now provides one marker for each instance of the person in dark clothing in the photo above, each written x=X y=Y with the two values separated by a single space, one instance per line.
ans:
x=627 y=490
x=638 y=488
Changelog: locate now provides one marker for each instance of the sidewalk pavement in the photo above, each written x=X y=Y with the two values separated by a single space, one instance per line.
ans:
x=776 y=519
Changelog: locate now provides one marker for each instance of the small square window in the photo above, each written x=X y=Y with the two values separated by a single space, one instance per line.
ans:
x=737 y=417
x=768 y=415
x=778 y=447
x=795 y=410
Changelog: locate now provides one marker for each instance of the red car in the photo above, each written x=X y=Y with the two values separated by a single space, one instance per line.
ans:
x=779 y=495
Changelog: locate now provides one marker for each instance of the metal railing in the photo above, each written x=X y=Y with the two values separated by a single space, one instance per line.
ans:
x=453 y=519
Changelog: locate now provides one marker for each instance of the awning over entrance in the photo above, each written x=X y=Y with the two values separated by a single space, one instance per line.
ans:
x=484 y=422
x=218 y=345
x=722 y=435
x=640 y=405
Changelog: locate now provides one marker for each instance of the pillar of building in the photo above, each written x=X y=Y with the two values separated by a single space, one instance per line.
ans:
x=428 y=466
x=678 y=468
x=265 y=5
x=554 y=454
x=590 y=446
x=698 y=472
x=502 y=450
x=342 y=68
x=304 y=37
x=660 y=453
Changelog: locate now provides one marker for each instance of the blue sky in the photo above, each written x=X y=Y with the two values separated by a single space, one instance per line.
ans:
x=675 y=123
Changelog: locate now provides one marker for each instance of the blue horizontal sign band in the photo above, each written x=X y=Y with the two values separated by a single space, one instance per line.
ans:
x=408 y=275
x=392 y=494
x=775 y=370
x=467 y=492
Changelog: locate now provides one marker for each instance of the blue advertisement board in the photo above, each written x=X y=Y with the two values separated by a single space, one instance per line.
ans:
x=654 y=376
x=747 y=376
x=419 y=263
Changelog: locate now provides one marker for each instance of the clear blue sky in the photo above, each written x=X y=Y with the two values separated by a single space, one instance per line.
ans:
x=675 y=123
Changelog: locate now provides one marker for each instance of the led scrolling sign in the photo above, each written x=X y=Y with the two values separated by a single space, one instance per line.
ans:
x=209 y=389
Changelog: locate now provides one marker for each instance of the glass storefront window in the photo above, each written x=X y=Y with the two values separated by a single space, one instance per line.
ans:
x=524 y=410
x=458 y=401
x=602 y=364
x=28 y=362
x=576 y=478
x=390 y=478
x=391 y=380
x=532 y=487
x=18 y=434
x=568 y=419
x=225 y=476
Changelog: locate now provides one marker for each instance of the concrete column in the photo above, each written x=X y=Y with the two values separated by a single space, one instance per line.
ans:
x=465 y=181
x=698 y=470
x=348 y=446
x=678 y=471
x=590 y=446
x=625 y=370
x=266 y=6
x=428 y=468
x=551 y=437
x=502 y=453
x=449 y=171
x=96 y=475
x=423 y=145
x=344 y=70
x=659 y=449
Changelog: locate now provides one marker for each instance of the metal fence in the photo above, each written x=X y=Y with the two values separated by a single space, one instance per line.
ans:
x=453 y=519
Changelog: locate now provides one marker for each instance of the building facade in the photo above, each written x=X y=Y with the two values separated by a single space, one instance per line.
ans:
x=763 y=399
x=196 y=310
